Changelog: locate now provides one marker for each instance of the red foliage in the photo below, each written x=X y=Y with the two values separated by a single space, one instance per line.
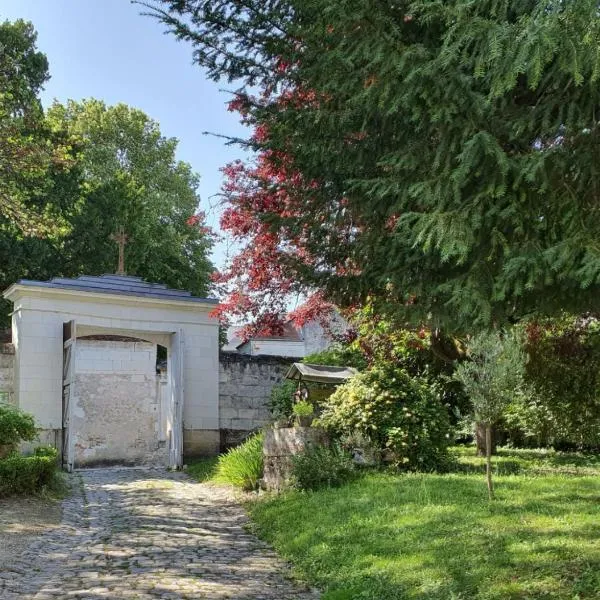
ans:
x=199 y=222
x=316 y=309
x=259 y=280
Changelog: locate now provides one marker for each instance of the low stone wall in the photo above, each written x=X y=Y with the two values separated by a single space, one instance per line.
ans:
x=7 y=360
x=245 y=384
x=280 y=445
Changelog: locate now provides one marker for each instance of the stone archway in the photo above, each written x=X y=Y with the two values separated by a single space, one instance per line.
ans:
x=117 y=409
x=48 y=319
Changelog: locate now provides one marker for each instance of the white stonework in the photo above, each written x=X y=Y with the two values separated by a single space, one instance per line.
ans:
x=185 y=328
x=117 y=416
x=316 y=338
x=275 y=347
x=297 y=342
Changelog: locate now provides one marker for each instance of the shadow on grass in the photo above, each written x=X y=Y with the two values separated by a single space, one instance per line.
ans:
x=435 y=537
x=514 y=461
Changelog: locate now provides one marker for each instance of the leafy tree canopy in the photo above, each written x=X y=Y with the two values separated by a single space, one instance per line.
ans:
x=131 y=179
x=32 y=155
x=440 y=156
x=74 y=176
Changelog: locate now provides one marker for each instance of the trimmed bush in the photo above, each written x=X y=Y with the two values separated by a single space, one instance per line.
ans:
x=27 y=474
x=242 y=467
x=396 y=412
x=562 y=408
x=321 y=466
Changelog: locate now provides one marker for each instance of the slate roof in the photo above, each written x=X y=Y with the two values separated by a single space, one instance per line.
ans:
x=123 y=285
x=289 y=334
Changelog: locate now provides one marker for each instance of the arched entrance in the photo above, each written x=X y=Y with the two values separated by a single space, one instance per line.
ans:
x=119 y=408
x=98 y=399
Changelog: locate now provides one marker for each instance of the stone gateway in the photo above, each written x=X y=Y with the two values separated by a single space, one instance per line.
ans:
x=86 y=368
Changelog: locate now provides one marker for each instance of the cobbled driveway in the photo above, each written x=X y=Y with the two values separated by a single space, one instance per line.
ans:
x=129 y=533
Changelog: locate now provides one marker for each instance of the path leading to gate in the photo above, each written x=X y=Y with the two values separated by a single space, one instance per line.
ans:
x=147 y=534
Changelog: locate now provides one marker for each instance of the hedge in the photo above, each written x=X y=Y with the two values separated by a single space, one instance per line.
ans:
x=27 y=474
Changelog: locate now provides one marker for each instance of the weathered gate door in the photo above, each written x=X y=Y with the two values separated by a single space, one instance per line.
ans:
x=69 y=340
x=175 y=370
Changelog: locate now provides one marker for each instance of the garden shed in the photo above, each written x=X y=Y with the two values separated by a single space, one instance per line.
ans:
x=86 y=368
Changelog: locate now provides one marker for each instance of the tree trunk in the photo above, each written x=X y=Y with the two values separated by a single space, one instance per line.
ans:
x=480 y=436
x=488 y=461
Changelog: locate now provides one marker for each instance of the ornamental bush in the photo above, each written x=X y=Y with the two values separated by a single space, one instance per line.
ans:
x=562 y=406
x=396 y=412
x=242 y=466
x=281 y=403
x=15 y=426
x=27 y=474
x=375 y=340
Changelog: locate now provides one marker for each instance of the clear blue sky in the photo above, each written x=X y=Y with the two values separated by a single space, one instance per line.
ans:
x=105 y=49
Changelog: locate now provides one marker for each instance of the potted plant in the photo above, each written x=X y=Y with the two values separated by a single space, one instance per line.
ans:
x=303 y=412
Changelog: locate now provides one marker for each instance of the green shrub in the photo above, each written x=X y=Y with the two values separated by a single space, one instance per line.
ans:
x=203 y=469
x=321 y=466
x=396 y=412
x=281 y=402
x=562 y=407
x=303 y=411
x=15 y=426
x=46 y=451
x=338 y=355
x=375 y=340
x=242 y=466
x=27 y=474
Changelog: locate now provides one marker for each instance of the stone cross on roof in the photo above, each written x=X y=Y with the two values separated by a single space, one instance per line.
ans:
x=121 y=240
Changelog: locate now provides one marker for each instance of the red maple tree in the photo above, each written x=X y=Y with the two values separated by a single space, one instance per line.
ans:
x=259 y=281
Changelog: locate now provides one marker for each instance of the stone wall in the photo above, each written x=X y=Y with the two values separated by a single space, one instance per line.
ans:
x=7 y=364
x=116 y=409
x=245 y=384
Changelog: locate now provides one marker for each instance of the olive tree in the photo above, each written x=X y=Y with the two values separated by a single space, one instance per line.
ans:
x=491 y=376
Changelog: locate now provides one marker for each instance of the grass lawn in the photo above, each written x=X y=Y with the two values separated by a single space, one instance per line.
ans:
x=436 y=537
x=202 y=469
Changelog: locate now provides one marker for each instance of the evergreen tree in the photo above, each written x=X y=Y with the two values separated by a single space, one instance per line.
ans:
x=452 y=147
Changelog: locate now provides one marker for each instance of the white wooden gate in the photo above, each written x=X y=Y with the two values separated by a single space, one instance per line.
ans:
x=176 y=377
x=69 y=341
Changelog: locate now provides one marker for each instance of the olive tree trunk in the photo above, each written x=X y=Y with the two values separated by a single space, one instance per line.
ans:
x=488 y=461
x=480 y=439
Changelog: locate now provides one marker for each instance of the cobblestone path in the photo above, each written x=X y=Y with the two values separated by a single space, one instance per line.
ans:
x=147 y=534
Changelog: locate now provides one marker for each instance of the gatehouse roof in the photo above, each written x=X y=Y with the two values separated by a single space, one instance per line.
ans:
x=122 y=285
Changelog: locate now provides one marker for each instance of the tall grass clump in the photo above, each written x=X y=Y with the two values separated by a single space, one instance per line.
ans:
x=242 y=467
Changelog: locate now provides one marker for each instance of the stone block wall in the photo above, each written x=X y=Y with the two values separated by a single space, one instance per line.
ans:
x=116 y=416
x=245 y=384
x=7 y=366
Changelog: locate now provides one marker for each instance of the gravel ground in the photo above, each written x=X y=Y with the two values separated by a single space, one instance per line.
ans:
x=22 y=520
